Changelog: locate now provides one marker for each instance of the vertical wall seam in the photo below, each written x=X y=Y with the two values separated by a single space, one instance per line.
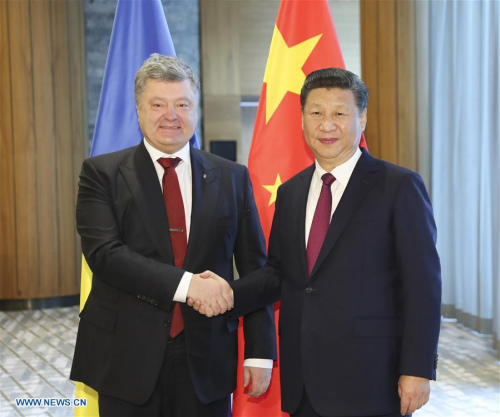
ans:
x=13 y=153
x=35 y=145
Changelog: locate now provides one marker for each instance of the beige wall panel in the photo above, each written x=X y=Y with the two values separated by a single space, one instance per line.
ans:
x=43 y=105
x=8 y=246
x=25 y=150
x=257 y=21
x=220 y=47
x=223 y=117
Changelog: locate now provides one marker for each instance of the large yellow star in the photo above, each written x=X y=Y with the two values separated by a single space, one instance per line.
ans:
x=284 y=69
x=273 y=189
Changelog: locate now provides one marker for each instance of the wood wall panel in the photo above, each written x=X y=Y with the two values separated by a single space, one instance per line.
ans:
x=422 y=80
x=43 y=140
x=25 y=161
x=406 y=84
x=8 y=242
x=64 y=149
x=389 y=62
x=77 y=47
x=370 y=30
x=44 y=132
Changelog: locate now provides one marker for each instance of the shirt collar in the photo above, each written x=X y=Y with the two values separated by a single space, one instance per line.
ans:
x=343 y=172
x=156 y=154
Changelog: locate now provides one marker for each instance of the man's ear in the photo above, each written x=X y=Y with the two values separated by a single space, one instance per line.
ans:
x=363 y=119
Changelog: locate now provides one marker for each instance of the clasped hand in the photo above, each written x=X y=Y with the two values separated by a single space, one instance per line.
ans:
x=210 y=294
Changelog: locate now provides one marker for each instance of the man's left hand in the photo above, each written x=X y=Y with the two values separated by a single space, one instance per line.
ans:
x=414 y=393
x=259 y=378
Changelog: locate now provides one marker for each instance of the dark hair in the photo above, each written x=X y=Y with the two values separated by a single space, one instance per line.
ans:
x=335 y=78
x=164 y=68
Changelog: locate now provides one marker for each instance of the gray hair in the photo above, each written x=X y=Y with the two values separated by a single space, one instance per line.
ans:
x=164 y=68
x=335 y=78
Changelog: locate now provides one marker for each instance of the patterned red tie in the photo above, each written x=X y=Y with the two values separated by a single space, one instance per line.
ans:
x=177 y=223
x=321 y=221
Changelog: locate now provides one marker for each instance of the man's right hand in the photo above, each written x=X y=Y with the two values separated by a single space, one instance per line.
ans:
x=209 y=294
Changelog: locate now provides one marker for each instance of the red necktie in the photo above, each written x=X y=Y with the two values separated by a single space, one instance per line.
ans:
x=321 y=221
x=177 y=223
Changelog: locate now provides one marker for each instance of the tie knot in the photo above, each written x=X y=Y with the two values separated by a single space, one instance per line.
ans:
x=169 y=162
x=328 y=179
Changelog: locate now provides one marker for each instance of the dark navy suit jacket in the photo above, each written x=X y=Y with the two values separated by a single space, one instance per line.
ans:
x=370 y=311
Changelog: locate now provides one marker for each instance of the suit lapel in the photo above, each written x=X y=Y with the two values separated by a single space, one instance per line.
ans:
x=364 y=176
x=298 y=210
x=206 y=187
x=140 y=176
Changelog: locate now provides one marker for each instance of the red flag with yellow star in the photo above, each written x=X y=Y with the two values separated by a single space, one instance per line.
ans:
x=304 y=40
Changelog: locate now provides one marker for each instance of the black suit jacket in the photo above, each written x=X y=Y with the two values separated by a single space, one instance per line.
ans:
x=370 y=311
x=124 y=326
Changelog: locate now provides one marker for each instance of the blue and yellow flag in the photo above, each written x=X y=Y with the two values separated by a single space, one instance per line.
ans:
x=139 y=29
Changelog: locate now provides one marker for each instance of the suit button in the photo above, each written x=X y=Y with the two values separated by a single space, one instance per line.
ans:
x=309 y=290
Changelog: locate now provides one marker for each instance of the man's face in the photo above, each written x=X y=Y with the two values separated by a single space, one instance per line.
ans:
x=332 y=125
x=168 y=114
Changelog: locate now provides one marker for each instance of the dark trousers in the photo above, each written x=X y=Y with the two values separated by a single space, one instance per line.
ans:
x=173 y=395
x=306 y=410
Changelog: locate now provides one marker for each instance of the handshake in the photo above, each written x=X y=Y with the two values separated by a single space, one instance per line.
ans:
x=209 y=294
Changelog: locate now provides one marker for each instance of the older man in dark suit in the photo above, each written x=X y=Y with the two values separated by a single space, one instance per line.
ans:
x=352 y=256
x=148 y=217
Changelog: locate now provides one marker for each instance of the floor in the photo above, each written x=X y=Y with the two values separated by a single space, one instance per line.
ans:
x=36 y=348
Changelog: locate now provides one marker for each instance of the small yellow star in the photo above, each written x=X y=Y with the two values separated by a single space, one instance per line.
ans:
x=273 y=189
x=284 y=69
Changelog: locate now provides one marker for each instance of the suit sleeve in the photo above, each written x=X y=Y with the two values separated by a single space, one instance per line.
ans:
x=109 y=258
x=263 y=286
x=419 y=267
x=259 y=328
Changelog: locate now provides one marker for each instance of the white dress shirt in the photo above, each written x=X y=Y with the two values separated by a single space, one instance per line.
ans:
x=184 y=173
x=342 y=174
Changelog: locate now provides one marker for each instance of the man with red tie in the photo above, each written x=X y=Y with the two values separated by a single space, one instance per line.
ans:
x=352 y=256
x=150 y=216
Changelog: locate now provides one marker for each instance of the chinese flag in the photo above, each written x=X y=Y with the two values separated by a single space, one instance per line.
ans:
x=304 y=40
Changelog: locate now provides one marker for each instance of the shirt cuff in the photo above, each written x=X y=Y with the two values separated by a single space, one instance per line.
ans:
x=181 y=294
x=259 y=363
